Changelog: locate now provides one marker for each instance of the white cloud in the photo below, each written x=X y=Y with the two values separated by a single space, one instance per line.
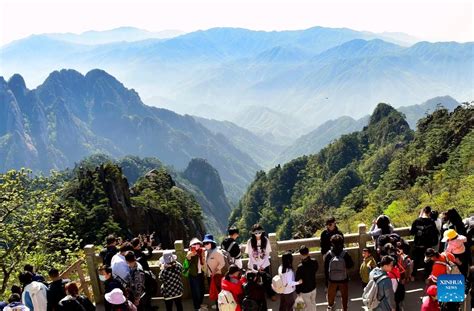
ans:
x=434 y=20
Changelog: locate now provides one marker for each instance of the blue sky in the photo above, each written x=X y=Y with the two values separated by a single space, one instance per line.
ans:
x=432 y=20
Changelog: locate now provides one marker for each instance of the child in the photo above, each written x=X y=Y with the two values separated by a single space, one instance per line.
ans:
x=254 y=293
x=430 y=302
x=368 y=263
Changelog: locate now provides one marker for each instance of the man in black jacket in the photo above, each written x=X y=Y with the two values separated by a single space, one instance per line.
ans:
x=232 y=247
x=331 y=229
x=336 y=264
x=306 y=271
x=139 y=248
x=110 y=250
x=56 y=290
x=426 y=236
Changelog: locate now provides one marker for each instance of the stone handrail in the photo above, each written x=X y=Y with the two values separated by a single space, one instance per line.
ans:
x=354 y=242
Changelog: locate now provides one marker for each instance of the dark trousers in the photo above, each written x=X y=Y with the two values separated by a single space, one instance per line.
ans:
x=343 y=287
x=267 y=282
x=287 y=301
x=418 y=256
x=196 y=283
x=177 y=301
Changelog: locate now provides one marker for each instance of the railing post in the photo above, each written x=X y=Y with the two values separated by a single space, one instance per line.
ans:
x=274 y=260
x=362 y=241
x=181 y=254
x=90 y=260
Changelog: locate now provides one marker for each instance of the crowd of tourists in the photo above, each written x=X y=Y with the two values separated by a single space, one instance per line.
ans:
x=442 y=245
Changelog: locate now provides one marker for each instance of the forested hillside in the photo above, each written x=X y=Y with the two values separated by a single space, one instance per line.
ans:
x=385 y=168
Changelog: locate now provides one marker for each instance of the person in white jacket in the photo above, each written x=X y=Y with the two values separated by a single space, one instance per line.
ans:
x=14 y=304
x=288 y=297
x=34 y=293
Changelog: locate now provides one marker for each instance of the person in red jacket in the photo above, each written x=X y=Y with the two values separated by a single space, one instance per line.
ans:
x=430 y=302
x=233 y=282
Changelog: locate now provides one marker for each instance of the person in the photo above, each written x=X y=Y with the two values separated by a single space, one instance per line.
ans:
x=136 y=282
x=254 y=293
x=306 y=271
x=233 y=283
x=452 y=220
x=426 y=236
x=430 y=302
x=367 y=265
x=455 y=244
x=336 y=263
x=34 y=294
x=215 y=262
x=231 y=246
x=258 y=250
x=118 y=301
x=14 y=304
x=139 y=248
x=110 y=283
x=73 y=301
x=380 y=226
x=56 y=289
x=36 y=277
x=287 y=298
x=120 y=268
x=331 y=229
x=194 y=267
x=385 y=293
x=110 y=250
x=172 y=287
x=439 y=261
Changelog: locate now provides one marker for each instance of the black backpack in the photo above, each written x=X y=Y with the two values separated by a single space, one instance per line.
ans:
x=426 y=235
x=151 y=283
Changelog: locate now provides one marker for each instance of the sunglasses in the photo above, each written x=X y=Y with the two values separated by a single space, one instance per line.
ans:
x=257 y=232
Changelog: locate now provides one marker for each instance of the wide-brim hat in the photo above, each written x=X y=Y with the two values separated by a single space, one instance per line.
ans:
x=209 y=238
x=195 y=241
x=449 y=235
x=115 y=297
x=168 y=257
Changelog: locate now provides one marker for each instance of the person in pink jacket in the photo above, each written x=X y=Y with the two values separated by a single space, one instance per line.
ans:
x=455 y=244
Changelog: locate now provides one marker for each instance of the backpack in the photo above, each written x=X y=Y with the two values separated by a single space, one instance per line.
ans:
x=228 y=259
x=226 y=301
x=337 y=267
x=277 y=284
x=151 y=283
x=369 y=296
x=451 y=267
x=426 y=235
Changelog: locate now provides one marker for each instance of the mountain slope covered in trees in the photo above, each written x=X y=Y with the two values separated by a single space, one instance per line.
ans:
x=386 y=167
x=71 y=116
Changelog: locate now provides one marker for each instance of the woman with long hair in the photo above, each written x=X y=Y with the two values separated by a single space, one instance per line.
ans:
x=287 y=298
x=258 y=249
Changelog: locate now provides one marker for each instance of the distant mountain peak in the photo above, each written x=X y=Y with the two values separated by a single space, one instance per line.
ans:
x=381 y=111
x=17 y=84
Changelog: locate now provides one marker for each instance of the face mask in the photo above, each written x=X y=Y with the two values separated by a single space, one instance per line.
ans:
x=102 y=278
x=208 y=246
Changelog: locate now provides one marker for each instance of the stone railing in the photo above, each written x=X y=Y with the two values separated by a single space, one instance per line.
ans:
x=354 y=242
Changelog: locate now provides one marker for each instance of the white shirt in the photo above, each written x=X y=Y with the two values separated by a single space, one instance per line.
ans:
x=119 y=267
x=288 y=279
x=259 y=257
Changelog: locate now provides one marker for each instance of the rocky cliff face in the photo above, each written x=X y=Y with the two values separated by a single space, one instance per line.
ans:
x=154 y=204
x=202 y=174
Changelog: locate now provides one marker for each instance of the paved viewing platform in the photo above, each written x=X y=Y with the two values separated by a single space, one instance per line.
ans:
x=354 y=242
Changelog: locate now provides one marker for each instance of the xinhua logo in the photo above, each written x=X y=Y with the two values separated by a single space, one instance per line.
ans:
x=451 y=288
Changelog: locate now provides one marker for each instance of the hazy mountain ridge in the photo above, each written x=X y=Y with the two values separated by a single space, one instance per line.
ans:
x=311 y=75
x=71 y=116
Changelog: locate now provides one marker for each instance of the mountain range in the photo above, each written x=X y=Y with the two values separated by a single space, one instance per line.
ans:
x=71 y=116
x=307 y=76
